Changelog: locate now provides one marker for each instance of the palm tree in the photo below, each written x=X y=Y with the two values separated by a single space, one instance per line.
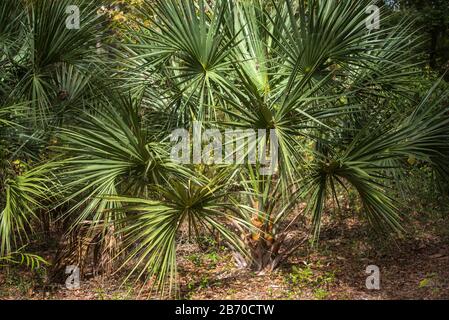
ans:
x=311 y=71
x=47 y=73
x=337 y=95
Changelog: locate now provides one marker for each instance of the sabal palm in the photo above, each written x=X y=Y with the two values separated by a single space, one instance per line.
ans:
x=44 y=76
x=310 y=70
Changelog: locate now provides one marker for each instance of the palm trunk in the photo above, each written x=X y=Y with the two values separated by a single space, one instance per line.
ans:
x=265 y=255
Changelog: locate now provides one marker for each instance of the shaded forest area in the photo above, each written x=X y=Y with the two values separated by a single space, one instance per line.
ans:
x=118 y=181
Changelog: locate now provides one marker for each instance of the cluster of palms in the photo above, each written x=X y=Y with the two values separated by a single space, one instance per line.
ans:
x=86 y=117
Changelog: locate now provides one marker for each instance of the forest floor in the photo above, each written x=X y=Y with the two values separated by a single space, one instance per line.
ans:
x=413 y=267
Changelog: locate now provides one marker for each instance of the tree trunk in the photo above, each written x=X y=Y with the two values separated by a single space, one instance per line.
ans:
x=265 y=255
x=433 y=48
